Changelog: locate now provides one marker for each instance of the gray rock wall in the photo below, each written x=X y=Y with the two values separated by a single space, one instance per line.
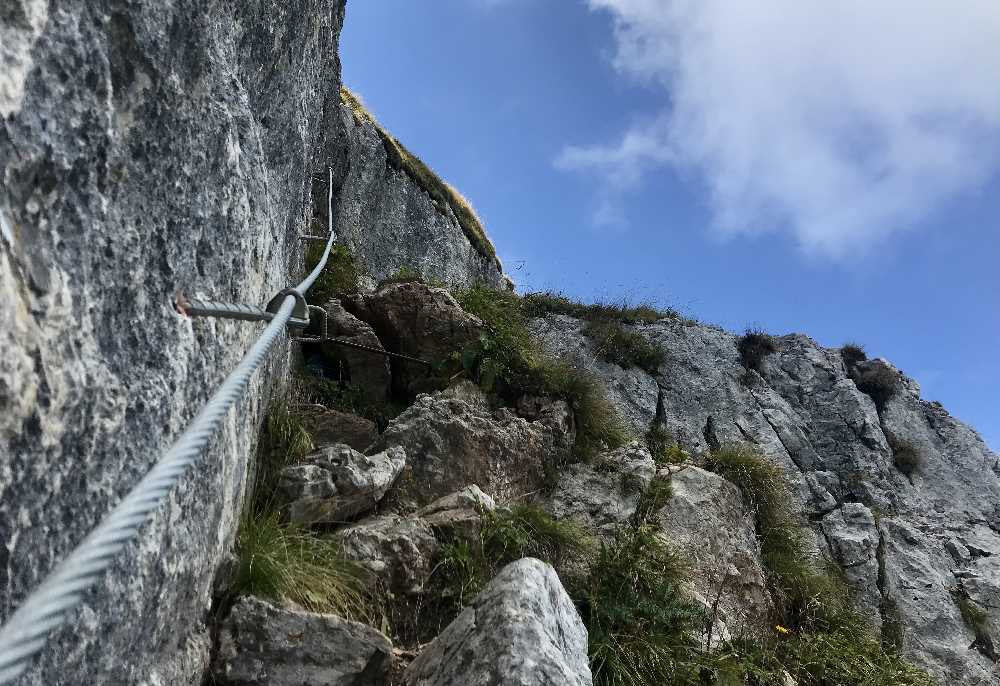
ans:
x=144 y=147
x=909 y=544
x=389 y=221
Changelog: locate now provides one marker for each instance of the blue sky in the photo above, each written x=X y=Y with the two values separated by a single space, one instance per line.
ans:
x=745 y=169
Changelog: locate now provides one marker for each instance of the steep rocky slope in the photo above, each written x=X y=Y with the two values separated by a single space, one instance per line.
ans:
x=912 y=546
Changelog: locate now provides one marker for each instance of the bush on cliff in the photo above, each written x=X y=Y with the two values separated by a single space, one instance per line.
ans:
x=507 y=361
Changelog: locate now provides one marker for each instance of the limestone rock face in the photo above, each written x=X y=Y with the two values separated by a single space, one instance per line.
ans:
x=418 y=320
x=452 y=440
x=522 y=630
x=459 y=513
x=706 y=520
x=367 y=370
x=144 y=148
x=604 y=494
x=261 y=644
x=399 y=552
x=337 y=483
x=903 y=540
x=389 y=221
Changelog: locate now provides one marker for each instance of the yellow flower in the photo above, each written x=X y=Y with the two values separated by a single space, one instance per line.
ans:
x=782 y=630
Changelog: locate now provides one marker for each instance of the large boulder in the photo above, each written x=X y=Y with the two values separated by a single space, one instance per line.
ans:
x=602 y=494
x=453 y=439
x=264 y=645
x=328 y=426
x=367 y=370
x=417 y=320
x=521 y=630
x=397 y=553
x=337 y=483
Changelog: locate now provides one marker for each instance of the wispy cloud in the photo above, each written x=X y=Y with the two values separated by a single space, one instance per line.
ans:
x=839 y=122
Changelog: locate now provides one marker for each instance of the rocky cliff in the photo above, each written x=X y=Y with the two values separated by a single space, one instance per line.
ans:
x=902 y=496
x=144 y=149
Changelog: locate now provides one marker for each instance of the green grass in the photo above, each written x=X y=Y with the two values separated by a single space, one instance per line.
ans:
x=616 y=344
x=339 y=277
x=288 y=563
x=641 y=628
x=529 y=531
x=283 y=441
x=442 y=193
x=662 y=446
x=653 y=498
x=507 y=361
x=754 y=345
x=540 y=304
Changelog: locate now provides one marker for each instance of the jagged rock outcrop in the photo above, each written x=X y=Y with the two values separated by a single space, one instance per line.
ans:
x=396 y=551
x=389 y=221
x=337 y=483
x=522 y=629
x=458 y=514
x=264 y=645
x=453 y=439
x=902 y=538
x=704 y=519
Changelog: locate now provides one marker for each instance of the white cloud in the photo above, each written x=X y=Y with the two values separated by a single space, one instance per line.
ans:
x=841 y=122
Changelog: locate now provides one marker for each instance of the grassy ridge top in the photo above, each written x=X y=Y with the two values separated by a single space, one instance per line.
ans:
x=441 y=191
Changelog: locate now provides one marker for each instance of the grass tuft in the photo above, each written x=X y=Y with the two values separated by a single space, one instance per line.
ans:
x=879 y=382
x=287 y=563
x=662 y=446
x=754 y=345
x=529 y=531
x=616 y=344
x=340 y=277
x=443 y=194
x=283 y=441
x=540 y=304
x=641 y=627
x=507 y=361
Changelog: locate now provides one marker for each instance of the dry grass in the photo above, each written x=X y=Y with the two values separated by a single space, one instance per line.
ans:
x=443 y=194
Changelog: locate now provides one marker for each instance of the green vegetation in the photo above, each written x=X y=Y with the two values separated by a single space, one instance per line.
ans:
x=754 y=345
x=642 y=630
x=605 y=325
x=879 y=382
x=978 y=621
x=346 y=398
x=443 y=194
x=852 y=353
x=508 y=362
x=284 y=562
x=653 y=498
x=540 y=304
x=283 y=441
x=823 y=641
x=662 y=446
x=338 y=278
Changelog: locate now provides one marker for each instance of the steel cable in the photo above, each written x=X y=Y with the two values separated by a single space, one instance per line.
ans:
x=46 y=608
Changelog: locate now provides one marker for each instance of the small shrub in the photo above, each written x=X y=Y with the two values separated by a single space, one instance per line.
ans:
x=340 y=277
x=878 y=381
x=653 y=498
x=529 y=531
x=852 y=353
x=906 y=458
x=754 y=346
x=616 y=344
x=507 y=361
x=641 y=627
x=662 y=446
x=284 y=562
